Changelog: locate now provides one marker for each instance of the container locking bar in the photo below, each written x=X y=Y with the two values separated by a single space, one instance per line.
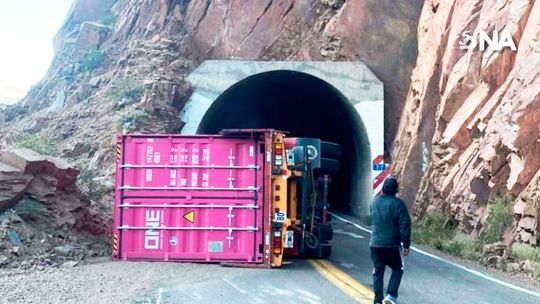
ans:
x=211 y=206
x=250 y=188
x=211 y=228
x=127 y=166
x=230 y=238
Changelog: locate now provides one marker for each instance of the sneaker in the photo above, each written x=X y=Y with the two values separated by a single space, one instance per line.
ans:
x=390 y=300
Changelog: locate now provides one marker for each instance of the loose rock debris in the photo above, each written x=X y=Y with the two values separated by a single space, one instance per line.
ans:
x=44 y=219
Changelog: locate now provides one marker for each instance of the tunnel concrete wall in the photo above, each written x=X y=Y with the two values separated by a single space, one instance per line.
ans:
x=354 y=80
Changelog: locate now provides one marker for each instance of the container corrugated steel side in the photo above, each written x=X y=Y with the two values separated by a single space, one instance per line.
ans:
x=189 y=198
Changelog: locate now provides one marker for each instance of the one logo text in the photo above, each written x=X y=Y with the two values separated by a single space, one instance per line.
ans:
x=151 y=236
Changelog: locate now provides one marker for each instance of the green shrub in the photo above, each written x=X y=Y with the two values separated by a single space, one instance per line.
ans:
x=536 y=270
x=133 y=121
x=432 y=229
x=87 y=183
x=470 y=248
x=435 y=230
x=91 y=60
x=125 y=90
x=39 y=143
x=452 y=247
x=526 y=252
x=498 y=219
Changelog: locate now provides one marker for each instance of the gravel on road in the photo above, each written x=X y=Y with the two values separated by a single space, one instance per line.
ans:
x=102 y=281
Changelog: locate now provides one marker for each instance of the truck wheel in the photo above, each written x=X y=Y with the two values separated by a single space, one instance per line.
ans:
x=326 y=232
x=330 y=149
x=329 y=166
x=311 y=240
x=326 y=251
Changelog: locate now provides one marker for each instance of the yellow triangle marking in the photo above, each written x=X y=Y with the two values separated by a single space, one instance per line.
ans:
x=189 y=216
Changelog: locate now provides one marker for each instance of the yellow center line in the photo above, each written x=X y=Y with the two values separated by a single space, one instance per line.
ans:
x=343 y=281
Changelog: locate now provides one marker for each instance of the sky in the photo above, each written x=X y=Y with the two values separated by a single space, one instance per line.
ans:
x=27 y=28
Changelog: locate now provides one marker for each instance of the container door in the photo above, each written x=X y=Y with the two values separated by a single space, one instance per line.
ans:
x=191 y=199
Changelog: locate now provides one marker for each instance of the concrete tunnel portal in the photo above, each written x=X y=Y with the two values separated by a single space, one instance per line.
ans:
x=304 y=106
x=296 y=101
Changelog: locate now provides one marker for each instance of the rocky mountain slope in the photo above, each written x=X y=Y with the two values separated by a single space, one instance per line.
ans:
x=118 y=57
x=469 y=132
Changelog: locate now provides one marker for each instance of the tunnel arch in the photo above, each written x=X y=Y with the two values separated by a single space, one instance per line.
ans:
x=304 y=106
x=345 y=98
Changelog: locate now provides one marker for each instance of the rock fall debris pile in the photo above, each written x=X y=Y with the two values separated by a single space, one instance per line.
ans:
x=44 y=219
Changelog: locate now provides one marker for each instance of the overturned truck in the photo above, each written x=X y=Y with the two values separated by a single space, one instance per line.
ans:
x=250 y=197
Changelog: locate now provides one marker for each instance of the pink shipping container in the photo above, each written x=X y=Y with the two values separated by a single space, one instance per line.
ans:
x=190 y=198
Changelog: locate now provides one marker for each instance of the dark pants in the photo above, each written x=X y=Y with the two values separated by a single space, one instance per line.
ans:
x=381 y=258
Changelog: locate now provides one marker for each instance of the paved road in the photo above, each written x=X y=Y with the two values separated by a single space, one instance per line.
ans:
x=295 y=283
x=426 y=280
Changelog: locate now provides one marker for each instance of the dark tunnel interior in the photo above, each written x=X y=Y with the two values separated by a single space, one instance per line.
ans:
x=305 y=106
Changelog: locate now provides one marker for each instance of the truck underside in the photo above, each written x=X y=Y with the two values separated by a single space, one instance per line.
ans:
x=308 y=196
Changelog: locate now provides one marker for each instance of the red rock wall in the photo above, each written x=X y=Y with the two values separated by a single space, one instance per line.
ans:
x=470 y=130
x=380 y=33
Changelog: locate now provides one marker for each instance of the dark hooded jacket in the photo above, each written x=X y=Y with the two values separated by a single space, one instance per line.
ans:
x=390 y=219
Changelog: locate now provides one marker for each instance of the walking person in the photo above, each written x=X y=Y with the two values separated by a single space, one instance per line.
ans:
x=391 y=230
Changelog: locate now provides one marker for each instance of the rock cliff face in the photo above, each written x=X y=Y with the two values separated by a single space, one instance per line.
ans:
x=469 y=131
x=155 y=43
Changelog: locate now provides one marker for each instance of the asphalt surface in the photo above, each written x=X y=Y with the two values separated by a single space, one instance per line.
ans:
x=426 y=280
x=297 y=282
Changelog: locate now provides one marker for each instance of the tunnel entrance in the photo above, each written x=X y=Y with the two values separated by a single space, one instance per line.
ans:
x=305 y=106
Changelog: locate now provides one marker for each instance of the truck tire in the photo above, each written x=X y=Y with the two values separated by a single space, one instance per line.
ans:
x=326 y=251
x=326 y=232
x=323 y=251
x=330 y=150
x=329 y=166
